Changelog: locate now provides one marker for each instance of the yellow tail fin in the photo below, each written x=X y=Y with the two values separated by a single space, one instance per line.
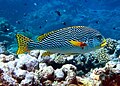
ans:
x=22 y=43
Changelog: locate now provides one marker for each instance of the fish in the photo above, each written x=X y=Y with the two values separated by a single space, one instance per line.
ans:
x=69 y=40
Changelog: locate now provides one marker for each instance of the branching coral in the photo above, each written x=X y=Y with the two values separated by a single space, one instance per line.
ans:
x=111 y=45
x=102 y=55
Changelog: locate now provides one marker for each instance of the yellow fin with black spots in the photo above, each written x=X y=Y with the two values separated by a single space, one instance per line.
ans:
x=22 y=43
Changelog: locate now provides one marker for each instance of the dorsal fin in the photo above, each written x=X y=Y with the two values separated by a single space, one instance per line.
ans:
x=40 y=38
x=77 y=27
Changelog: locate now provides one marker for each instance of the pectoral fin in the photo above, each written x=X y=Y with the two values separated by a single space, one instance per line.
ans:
x=77 y=43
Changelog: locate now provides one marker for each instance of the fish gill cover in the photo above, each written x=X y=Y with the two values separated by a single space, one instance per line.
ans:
x=33 y=18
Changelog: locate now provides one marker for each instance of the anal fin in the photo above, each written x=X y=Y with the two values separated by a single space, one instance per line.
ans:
x=46 y=54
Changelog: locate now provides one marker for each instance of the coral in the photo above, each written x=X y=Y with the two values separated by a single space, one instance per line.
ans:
x=60 y=59
x=5 y=58
x=70 y=71
x=108 y=75
x=35 y=53
x=111 y=45
x=67 y=67
x=59 y=75
x=34 y=69
x=102 y=55
x=30 y=80
x=27 y=62
x=14 y=72
x=47 y=74
x=7 y=80
x=117 y=51
x=46 y=58
x=2 y=47
x=66 y=75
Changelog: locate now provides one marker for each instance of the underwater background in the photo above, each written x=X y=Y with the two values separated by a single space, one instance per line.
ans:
x=41 y=16
x=33 y=18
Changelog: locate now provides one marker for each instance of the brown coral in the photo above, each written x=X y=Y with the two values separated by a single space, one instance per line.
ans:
x=108 y=78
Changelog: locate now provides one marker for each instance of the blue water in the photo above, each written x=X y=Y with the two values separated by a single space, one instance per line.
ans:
x=41 y=16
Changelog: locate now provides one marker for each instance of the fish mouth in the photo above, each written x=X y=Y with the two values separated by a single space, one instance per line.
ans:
x=104 y=42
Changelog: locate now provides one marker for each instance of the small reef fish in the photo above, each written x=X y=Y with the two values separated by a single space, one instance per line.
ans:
x=69 y=40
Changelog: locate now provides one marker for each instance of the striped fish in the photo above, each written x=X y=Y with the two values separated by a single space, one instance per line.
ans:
x=70 y=40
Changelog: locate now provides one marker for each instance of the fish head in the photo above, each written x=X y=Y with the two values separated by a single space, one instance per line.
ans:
x=97 y=41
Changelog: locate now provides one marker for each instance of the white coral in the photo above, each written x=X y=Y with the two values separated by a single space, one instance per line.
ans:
x=28 y=79
x=68 y=67
x=19 y=73
x=5 y=58
x=59 y=73
x=9 y=79
x=42 y=66
x=28 y=61
x=35 y=53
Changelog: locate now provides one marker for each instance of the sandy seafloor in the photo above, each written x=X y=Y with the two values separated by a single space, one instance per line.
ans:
x=35 y=17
